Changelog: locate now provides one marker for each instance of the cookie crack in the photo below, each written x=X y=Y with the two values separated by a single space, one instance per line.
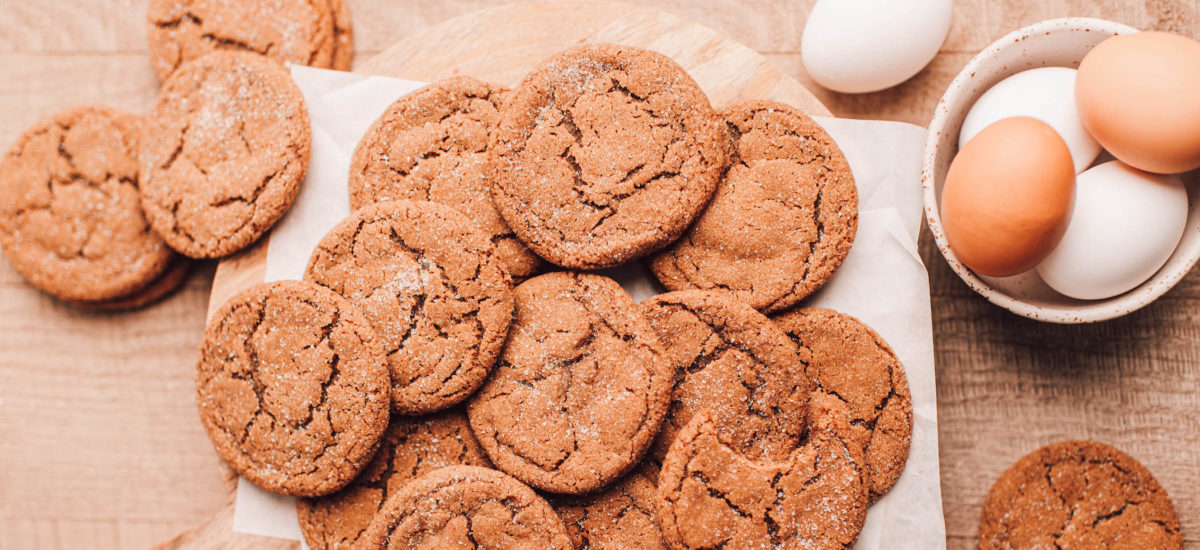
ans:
x=470 y=507
x=471 y=316
x=74 y=177
x=580 y=185
x=259 y=388
x=712 y=492
x=726 y=344
x=223 y=41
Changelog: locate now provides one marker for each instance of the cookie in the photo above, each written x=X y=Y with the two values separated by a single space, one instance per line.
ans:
x=621 y=517
x=1075 y=495
x=604 y=154
x=712 y=496
x=176 y=273
x=580 y=390
x=782 y=220
x=466 y=507
x=849 y=361
x=226 y=150
x=412 y=446
x=732 y=359
x=343 y=35
x=292 y=386
x=71 y=218
x=434 y=288
x=433 y=145
x=304 y=32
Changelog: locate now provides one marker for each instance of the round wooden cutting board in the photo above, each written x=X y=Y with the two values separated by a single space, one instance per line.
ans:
x=502 y=44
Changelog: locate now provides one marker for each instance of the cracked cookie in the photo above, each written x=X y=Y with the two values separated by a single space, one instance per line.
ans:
x=852 y=363
x=226 y=150
x=1075 y=495
x=727 y=357
x=621 y=517
x=171 y=279
x=292 y=387
x=783 y=217
x=466 y=507
x=306 y=32
x=604 y=154
x=434 y=288
x=412 y=446
x=580 y=390
x=712 y=496
x=433 y=145
x=71 y=219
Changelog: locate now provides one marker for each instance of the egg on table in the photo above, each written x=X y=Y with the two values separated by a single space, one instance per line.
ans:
x=1139 y=95
x=859 y=46
x=1047 y=94
x=1007 y=197
x=1125 y=225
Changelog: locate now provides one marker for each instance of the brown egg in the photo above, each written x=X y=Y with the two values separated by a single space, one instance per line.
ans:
x=1139 y=96
x=1008 y=197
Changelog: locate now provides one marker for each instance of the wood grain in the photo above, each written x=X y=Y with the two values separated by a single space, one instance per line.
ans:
x=98 y=443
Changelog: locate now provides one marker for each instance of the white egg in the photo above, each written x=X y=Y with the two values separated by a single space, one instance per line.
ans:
x=859 y=46
x=1125 y=225
x=1047 y=94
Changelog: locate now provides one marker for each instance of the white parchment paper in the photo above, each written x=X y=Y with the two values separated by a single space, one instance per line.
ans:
x=882 y=282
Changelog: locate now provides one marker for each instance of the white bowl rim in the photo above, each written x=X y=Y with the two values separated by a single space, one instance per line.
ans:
x=1119 y=306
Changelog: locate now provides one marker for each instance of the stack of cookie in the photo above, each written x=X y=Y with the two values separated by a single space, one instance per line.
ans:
x=102 y=209
x=558 y=412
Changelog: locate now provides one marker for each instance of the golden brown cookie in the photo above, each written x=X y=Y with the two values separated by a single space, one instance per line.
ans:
x=466 y=507
x=712 y=496
x=782 y=220
x=604 y=154
x=621 y=517
x=580 y=390
x=292 y=386
x=412 y=446
x=434 y=288
x=432 y=145
x=305 y=32
x=71 y=218
x=1078 y=494
x=849 y=361
x=158 y=289
x=732 y=359
x=226 y=150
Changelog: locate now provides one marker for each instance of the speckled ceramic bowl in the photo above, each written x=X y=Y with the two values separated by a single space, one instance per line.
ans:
x=1053 y=43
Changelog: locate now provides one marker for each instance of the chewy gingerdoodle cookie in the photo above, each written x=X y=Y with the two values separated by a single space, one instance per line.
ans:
x=226 y=150
x=732 y=359
x=433 y=145
x=292 y=387
x=580 y=390
x=850 y=362
x=1075 y=495
x=306 y=32
x=621 y=517
x=432 y=285
x=171 y=279
x=412 y=446
x=71 y=218
x=810 y=497
x=466 y=507
x=782 y=220
x=605 y=153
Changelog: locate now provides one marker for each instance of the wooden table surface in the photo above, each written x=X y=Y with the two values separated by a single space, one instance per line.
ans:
x=85 y=460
